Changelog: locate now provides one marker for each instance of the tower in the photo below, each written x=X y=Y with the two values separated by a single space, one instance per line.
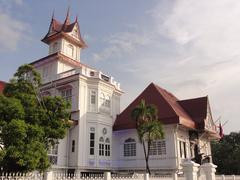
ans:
x=65 y=37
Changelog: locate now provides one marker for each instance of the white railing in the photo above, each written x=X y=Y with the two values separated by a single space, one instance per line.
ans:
x=21 y=176
x=227 y=177
x=68 y=73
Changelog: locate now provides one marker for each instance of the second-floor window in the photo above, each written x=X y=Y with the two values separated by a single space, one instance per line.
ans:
x=67 y=94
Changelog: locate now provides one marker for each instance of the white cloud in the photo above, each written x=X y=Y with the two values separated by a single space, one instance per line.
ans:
x=11 y=33
x=12 y=30
x=120 y=44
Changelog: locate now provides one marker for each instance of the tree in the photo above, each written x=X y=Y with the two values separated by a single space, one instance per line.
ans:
x=149 y=128
x=29 y=123
x=226 y=154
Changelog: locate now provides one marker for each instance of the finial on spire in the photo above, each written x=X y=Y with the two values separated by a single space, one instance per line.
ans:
x=76 y=19
x=67 y=20
x=53 y=13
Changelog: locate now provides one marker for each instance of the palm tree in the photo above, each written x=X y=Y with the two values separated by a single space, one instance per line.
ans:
x=149 y=128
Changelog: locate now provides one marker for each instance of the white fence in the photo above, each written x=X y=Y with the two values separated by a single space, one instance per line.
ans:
x=227 y=177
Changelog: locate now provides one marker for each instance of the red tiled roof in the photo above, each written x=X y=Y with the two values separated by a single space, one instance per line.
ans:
x=57 y=28
x=2 y=85
x=196 y=108
x=170 y=109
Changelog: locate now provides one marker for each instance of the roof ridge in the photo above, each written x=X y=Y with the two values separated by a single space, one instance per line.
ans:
x=165 y=93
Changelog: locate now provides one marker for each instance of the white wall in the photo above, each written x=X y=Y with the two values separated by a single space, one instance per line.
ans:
x=167 y=161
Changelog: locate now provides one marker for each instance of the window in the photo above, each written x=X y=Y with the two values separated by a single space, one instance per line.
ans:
x=70 y=50
x=107 y=147
x=92 y=141
x=182 y=147
x=129 y=148
x=67 y=94
x=107 y=102
x=101 y=146
x=52 y=154
x=158 y=148
x=102 y=99
x=93 y=97
x=73 y=145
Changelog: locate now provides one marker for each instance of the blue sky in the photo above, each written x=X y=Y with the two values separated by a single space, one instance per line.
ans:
x=191 y=48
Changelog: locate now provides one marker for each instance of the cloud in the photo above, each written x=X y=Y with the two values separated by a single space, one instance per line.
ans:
x=12 y=31
x=120 y=44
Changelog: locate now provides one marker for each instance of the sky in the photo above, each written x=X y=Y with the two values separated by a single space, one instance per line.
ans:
x=191 y=48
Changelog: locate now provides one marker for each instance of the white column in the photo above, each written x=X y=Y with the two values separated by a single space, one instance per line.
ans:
x=190 y=170
x=209 y=170
x=107 y=176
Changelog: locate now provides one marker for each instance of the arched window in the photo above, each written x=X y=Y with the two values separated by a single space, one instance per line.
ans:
x=70 y=50
x=107 y=147
x=101 y=146
x=102 y=99
x=129 y=147
x=107 y=102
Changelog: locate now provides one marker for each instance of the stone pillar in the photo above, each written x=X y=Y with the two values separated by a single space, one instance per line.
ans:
x=146 y=176
x=209 y=170
x=107 y=176
x=190 y=170
x=48 y=175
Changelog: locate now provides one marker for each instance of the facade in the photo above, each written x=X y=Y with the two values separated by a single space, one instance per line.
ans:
x=101 y=138
x=188 y=127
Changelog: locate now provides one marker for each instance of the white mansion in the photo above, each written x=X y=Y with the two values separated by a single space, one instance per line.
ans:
x=101 y=138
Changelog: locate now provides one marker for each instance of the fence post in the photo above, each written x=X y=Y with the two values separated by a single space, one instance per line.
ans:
x=107 y=176
x=175 y=175
x=146 y=176
x=209 y=170
x=223 y=177
x=234 y=177
x=48 y=175
x=190 y=170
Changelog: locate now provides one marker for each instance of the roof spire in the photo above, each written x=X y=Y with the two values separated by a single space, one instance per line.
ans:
x=76 y=19
x=53 y=14
x=67 y=20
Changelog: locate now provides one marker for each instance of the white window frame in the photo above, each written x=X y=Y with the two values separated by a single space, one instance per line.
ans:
x=67 y=94
x=130 y=148
x=158 y=148
x=92 y=140
x=53 y=154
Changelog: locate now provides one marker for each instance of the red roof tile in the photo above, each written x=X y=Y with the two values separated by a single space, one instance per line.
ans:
x=2 y=85
x=57 y=27
x=188 y=113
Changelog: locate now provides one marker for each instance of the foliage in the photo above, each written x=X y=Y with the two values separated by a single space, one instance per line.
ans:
x=149 y=128
x=30 y=123
x=226 y=154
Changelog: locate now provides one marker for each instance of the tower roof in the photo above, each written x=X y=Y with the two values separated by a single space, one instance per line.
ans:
x=58 y=29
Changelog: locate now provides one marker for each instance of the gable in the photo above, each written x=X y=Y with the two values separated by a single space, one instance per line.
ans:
x=169 y=110
x=208 y=122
